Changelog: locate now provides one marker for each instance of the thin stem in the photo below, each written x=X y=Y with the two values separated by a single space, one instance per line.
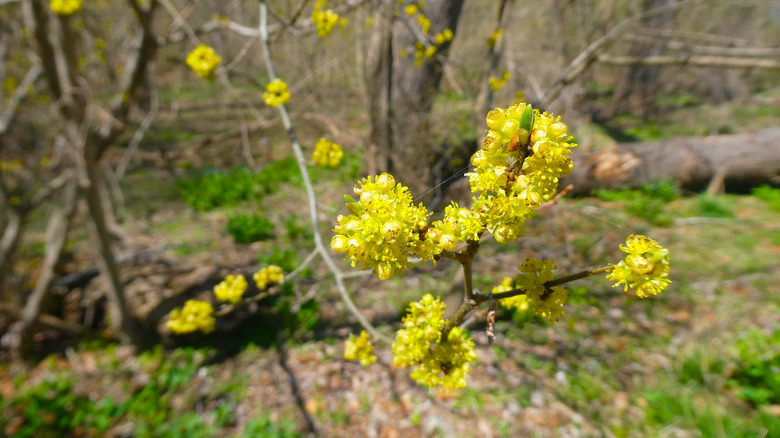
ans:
x=556 y=282
x=474 y=300
x=321 y=248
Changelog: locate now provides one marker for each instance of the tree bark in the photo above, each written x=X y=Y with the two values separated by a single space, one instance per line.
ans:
x=401 y=93
x=744 y=160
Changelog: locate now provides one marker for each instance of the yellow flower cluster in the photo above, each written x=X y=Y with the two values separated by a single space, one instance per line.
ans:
x=327 y=153
x=419 y=345
x=645 y=268
x=325 y=19
x=498 y=83
x=517 y=169
x=422 y=52
x=204 y=61
x=276 y=93
x=268 y=276
x=65 y=7
x=545 y=302
x=518 y=302
x=493 y=38
x=359 y=349
x=459 y=225
x=231 y=289
x=384 y=230
x=196 y=315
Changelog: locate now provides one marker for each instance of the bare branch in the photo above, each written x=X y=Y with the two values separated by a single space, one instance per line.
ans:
x=588 y=56
x=19 y=94
x=693 y=60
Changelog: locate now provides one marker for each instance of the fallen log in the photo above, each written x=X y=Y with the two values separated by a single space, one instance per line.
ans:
x=743 y=161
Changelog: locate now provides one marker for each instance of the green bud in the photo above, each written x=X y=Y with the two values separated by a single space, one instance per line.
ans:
x=527 y=119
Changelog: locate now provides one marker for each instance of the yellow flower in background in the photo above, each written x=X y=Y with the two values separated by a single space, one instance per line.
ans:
x=359 y=349
x=276 y=93
x=204 y=61
x=196 y=315
x=645 y=269
x=327 y=153
x=231 y=289
x=267 y=276
x=498 y=83
x=325 y=19
x=65 y=7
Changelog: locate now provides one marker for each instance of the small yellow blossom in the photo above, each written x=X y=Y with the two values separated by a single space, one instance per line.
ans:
x=65 y=7
x=196 y=315
x=268 y=276
x=204 y=61
x=231 y=289
x=498 y=83
x=359 y=349
x=645 y=269
x=276 y=93
x=327 y=153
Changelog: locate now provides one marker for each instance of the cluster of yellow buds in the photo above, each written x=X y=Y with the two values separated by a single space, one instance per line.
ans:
x=545 y=302
x=276 y=93
x=645 y=268
x=65 y=7
x=231 y=289
x=419 y=345
x=196 y=315
x=359 y=349
x=325 y=19
x=204 y=61
x=498 y=83
x=523 y=155
x=327 y=153
x=268 y=276
x=385 y=228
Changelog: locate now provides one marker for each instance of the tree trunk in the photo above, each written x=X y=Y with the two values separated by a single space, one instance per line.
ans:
x=401 y=93
x=744 y=161
x=56 y=233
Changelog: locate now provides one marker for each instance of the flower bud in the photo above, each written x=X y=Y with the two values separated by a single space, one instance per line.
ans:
x=433 y=234
x=385 y=182
x=510 y=128
x=558 y=129
x=495 y=119
x=366 y=197
x=448 y=242
x=339 y=243
x=537 y=135
x=384 y=271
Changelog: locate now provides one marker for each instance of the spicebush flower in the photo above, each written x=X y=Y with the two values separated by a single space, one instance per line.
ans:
x=419 y=345
x=267 y=276
x=196 y=315
x=325 y=19
x=545 y=302
x=645 y=269
x=327 y=153
x=359 y=349
x=276 y=93
x=65 y=7
x=204 y=61
x=231 y=289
